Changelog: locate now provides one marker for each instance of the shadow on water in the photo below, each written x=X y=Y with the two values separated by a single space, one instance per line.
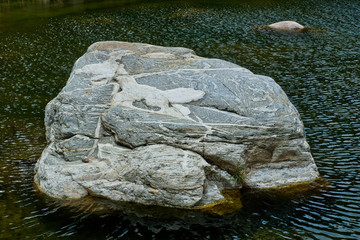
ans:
x=28 y=15
x=319 y=71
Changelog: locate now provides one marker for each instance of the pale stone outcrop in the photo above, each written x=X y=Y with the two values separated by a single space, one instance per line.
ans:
x=161 y=126
x=288 y=26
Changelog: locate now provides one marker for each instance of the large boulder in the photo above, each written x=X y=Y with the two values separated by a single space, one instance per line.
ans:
x=161 y=126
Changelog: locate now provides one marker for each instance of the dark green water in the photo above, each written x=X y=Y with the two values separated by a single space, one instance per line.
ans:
x=319 y=70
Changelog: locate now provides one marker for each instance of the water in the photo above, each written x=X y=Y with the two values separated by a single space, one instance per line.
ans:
x=319 y=70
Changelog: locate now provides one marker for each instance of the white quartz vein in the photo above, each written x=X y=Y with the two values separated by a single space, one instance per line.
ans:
x=194 y=70
x=169 y=101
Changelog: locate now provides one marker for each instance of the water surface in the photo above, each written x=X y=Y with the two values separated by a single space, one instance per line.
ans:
x=319 y=70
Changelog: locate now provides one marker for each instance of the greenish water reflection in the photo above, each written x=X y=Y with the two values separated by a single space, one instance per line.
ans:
x=319 y=70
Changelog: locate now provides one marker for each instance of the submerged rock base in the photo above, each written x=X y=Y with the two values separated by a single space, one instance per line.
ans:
x=161 y=126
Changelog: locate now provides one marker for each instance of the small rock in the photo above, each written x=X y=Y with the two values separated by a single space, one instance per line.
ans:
x=288 y=26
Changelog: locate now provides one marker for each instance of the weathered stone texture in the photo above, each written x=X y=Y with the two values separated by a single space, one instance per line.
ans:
x=162 y=126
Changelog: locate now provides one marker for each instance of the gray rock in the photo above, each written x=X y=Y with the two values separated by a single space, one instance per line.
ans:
x=161 y=126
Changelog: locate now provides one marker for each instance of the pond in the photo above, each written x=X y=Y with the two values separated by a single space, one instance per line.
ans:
x=319 y=70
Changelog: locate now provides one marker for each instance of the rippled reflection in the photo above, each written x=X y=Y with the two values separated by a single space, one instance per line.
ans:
x=319 y=70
